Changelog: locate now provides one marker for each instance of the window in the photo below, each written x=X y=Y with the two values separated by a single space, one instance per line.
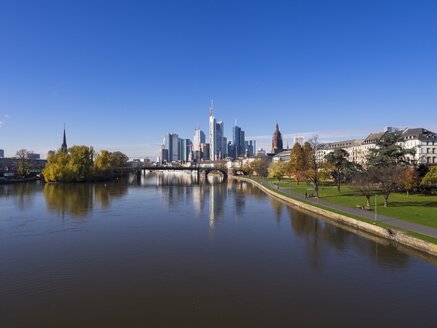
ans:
x=428 y=150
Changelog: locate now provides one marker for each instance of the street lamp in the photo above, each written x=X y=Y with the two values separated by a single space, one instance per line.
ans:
x=376 y=208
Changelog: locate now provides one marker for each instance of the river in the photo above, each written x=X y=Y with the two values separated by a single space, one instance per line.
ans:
x=167 y=251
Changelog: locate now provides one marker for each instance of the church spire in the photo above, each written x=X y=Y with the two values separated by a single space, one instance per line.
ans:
x=64 y=142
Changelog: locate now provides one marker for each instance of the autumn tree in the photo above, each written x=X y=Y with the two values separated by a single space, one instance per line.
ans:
x=312 y=173
x=429 y=181
x=297 y=164
x=260 y=167
x=277 y=170
x=118 y=159
x=408 y=179
x=102 y=163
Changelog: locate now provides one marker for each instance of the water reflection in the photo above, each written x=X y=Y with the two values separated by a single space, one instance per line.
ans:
x=218 y=201
x=23 y=194
x=317 y=233
x=79 y=199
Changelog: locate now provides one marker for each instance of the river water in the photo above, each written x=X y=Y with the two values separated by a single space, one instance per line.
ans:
x=169 y=252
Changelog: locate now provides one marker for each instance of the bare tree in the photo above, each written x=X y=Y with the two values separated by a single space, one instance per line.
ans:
x=23 y=156
x=364 y=184
x=312 y=174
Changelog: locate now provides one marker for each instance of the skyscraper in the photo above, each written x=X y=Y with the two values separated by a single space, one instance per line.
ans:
x=219 y=147
x=172 y=145
x=212 y=132
x=199 y=138
x=238 y=140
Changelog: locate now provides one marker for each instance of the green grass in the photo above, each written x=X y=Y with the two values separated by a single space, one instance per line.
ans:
x=416 y=208
x=347 y=197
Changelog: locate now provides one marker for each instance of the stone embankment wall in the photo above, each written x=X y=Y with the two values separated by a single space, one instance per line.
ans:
x=391 y=234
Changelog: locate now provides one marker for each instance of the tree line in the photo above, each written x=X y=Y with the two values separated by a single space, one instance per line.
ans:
x=387 y=169
x=81 y=164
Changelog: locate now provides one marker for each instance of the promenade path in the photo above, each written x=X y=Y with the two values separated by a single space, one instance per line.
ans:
x=414 y=227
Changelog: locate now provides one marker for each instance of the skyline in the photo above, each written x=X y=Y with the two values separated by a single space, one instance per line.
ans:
x=340 y=70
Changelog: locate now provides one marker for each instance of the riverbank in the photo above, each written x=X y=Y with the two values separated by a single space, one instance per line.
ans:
x=12 y=181
x=406 y=237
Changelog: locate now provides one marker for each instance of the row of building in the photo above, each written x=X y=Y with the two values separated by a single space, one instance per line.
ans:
x=175 y=149
x=422 y=140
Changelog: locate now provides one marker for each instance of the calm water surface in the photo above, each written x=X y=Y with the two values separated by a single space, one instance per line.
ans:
x=164 y=252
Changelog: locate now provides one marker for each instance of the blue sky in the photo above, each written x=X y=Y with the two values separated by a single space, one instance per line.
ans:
x=121 y=74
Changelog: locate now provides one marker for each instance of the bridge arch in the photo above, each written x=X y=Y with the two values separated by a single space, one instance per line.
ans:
x=223 y=171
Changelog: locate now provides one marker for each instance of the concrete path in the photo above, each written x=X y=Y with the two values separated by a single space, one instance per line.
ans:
x=424 y=230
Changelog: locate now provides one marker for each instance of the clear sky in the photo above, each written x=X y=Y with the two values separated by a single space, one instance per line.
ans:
x=120 y=74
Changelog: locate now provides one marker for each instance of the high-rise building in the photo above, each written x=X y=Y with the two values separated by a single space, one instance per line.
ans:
x=185 y=149
x=2 y=153
x=218 y=144
x=171 y=143
x=205 y=151
x=199 y=138
x=277 y=146
x=212 y=132
x=250 y=148
x=219 y=147
x=238 y=141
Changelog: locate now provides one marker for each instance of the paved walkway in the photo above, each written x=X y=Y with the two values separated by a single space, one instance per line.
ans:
x=424 y=230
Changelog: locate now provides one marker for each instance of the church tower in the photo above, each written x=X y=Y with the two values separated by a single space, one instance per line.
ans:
x=64 y=143
x=277 y=146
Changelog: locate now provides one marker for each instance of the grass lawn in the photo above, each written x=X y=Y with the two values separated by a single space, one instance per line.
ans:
x=417 y=208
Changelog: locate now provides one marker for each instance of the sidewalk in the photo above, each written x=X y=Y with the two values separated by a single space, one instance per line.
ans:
x=424 y=230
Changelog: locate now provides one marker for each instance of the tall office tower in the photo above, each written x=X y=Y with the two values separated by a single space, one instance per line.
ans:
x=236 y=133
x=242 y=141
x=172 y=145
x=2 y=153
x=185 y=149
x=205 y=150
x=299 y=140
x=224 y=147
x=212 y=132
x=199 y=138
x=250 y=148
x=219 y=129
x=238 y=141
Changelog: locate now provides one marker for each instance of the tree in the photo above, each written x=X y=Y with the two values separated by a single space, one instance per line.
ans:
x=312 y=172
x=364 y=183
x=260 y=167
x=118 y=159
x=23 y=156
x=102 y=163
x=75 y=165
x=408 y=179
x=277 y=170
x=247 y=168
x=297 y=163
x=339 y=161
x=388 y=151
x=387 y=178
x=388 y=158
x=429 y=181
